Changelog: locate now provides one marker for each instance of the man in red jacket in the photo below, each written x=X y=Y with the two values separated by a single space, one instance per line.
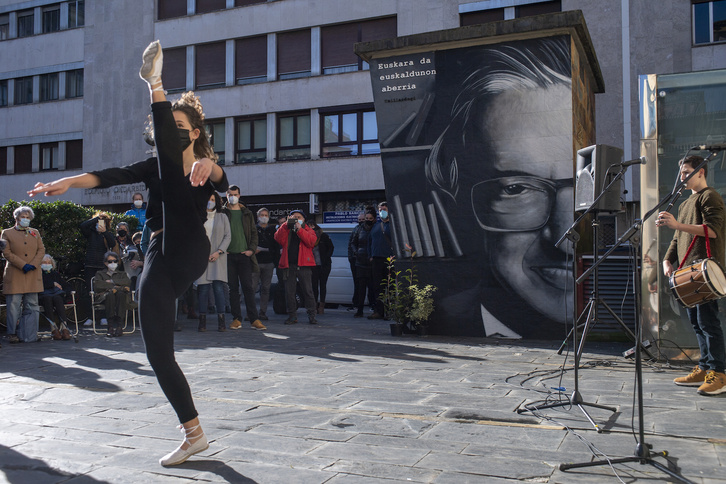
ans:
x=296 y=262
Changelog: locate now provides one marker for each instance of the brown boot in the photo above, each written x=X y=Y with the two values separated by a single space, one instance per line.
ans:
x=192 y=314
x=202 y=323
x=55 y=334
x=321 y=308
x=221 y=326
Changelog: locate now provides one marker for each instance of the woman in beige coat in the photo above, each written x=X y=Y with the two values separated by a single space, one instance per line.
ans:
x=22 y=280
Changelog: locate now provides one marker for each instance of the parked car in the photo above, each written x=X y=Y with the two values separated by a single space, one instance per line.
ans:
x=340 y=282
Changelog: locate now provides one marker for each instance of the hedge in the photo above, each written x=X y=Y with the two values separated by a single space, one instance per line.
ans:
x=59 y=226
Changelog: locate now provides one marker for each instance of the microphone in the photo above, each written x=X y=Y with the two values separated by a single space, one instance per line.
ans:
x=716 y=147
x=637 y=161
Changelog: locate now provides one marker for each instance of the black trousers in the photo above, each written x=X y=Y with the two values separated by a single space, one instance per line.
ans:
x=51 y=303
x=301 y=274
x=363 y=283
x=378 y=276
x=175 y=259
x=239 y=273
x=323 y=282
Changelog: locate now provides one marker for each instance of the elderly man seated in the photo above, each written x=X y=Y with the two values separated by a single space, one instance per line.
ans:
x=113 y=287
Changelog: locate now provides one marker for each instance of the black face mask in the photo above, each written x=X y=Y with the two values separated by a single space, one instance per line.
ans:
x=369 y=223
x=122 y=233
x=184 y=138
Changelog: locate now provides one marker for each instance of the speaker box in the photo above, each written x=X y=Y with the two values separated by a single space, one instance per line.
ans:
x=592 y=176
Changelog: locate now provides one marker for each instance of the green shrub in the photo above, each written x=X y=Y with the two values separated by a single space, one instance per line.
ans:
x=59 y=226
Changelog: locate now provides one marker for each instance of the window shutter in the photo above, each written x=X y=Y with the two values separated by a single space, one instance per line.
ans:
x=210 y=64
x=293 y=51
x=174 y=72
x=251 y=57
x=337 y=44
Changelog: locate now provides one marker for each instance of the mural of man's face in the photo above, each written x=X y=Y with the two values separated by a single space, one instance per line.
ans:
x=531 y=133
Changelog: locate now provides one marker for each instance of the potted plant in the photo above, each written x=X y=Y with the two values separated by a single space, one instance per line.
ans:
x=403 y=300
x=422 y=305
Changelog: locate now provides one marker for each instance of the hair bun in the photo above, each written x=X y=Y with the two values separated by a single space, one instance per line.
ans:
x=191 y=100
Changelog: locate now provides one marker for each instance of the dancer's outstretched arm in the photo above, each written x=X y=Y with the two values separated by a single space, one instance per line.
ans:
x=60 y=186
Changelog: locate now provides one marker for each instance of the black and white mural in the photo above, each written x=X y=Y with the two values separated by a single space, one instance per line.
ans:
x=477 y=147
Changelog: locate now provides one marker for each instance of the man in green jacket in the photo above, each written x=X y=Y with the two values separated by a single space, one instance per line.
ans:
x=241 y=260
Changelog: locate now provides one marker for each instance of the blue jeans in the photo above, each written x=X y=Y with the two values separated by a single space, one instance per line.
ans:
x=203 y=291
x=709 y=334
x=23 y=309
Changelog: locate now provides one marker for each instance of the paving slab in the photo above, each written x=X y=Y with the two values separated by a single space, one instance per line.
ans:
x=345 y=402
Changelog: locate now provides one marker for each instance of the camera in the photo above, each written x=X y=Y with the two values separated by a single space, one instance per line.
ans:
x=291 y=222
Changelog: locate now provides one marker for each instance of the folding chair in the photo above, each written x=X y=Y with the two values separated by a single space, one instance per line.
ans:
x=71 y=315
x=96 y=305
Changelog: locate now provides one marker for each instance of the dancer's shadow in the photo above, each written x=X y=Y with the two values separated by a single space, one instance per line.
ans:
x=216 y=467
x=22 y=469
x=51 y=362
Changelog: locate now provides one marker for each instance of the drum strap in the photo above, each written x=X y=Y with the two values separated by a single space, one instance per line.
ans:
x=708 y=246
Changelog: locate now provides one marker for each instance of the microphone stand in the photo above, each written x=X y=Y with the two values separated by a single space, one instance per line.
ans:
x=643 y=453
x=590 y=310
x=595 y=299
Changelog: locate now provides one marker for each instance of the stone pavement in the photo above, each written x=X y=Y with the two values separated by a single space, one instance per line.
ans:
x=343 y=402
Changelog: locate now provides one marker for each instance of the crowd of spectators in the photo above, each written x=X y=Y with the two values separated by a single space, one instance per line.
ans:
x=245 y=255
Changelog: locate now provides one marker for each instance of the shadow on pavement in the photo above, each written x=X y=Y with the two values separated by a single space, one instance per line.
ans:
x=21 y=469
x=221 y=469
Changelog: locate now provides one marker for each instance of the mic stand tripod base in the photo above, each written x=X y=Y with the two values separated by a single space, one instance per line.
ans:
x=575 y=400
x=642 y=455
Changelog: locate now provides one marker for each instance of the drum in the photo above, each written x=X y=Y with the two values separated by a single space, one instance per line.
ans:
x=698 y=283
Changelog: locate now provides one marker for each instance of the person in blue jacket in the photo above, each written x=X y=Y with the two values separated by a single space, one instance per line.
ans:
x=138 y=210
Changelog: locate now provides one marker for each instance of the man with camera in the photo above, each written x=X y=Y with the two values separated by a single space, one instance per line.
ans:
x=296 y=261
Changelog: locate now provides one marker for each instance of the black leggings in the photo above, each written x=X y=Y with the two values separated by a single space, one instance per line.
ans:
x=170 y=268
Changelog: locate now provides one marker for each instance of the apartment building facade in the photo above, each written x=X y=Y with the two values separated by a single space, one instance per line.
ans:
x=288 y=104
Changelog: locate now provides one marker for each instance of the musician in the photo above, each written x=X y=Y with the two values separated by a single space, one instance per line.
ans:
x=704 y=207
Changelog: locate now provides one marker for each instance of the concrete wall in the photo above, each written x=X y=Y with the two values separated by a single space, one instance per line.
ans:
x=115 y=104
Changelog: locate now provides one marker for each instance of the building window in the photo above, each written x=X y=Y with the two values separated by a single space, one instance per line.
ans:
x=209 y=70
x=23 y=162
x=251 y=140
x=709 y=22
x=172 y=9
x=74 y=154
x=349 y=133
x=537 y=9
x=49 y=156
x=293 y=137
x=337 y=43
x=24 y=90
x=4 y=26
x=25 y=23
x=494 y=14
x=242 y=3
x=76 y=14
x=49 y=87
x=174 y=72
x=481 y=17
x=250 y=63
x=3 y=93
x=3 y=160
x=293 y=54
x=215 y=133
x=204 y=6
x=74 y=83
x=51 y=19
